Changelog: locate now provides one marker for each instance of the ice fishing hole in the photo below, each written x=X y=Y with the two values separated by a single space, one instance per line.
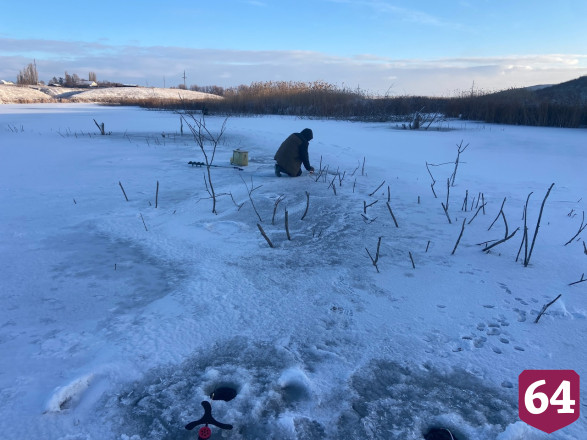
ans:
x=226 y=393
x=440 y=434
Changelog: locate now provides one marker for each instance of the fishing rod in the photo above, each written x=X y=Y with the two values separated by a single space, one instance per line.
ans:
x=202 y=164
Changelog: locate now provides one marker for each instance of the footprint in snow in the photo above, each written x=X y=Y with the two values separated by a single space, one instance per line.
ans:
x=521 y=315
x=479 y=342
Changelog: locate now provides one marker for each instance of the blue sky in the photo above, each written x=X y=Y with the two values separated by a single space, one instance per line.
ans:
x=428 y=47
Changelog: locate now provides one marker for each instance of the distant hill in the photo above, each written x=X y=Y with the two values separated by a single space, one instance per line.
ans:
x=559 y=105
x=570 y=92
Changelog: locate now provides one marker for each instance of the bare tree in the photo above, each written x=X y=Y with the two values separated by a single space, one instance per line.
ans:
x=28 y=76
x=203 y=136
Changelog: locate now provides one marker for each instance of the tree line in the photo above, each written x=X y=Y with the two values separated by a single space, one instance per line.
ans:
x=325 y=100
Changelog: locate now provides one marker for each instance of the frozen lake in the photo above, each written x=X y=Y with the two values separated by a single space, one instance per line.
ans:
x=118 y=318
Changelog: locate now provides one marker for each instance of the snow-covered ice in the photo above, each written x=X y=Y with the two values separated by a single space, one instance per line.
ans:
x=118 y=318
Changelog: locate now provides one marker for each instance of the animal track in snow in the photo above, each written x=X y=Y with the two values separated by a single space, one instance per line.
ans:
x=505 y=287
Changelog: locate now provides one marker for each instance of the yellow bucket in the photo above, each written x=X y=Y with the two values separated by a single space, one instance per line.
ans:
x=240 y=158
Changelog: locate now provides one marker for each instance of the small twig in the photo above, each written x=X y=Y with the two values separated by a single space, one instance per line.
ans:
x=365 y=206
x=238 y=207
x=279 y=199
x=287 y=226
x=374 y=260
x=459 y=151
x=478 y=209
x=100 y=127
x=527 y=261
x=377 y=189
x=355 y=170
x=447 y=192
x=264 y=235
x=506 y=238
x=582 y=280
x=427 y=246
x=466 y=201
x=505 y=223
x=446 y=212
x=332 y=182
x=392 y=216
x=584 y=248
x=412 y=259
x=433 y=180
x=123 y=191
x=498 y=214
x=307 y=205
x=250 y=191
x=363 y=168
x=144 y=224
x=319 y=174
x=367 y=219
x=429 y=172
x=581 y=229
x=157 y=195
x=460 y=235
x=546 y=306
x=525 y=235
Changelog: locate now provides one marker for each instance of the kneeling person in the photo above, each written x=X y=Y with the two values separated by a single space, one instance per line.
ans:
x=292 y=153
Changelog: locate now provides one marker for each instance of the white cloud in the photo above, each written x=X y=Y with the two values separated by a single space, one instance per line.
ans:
x=154 y=65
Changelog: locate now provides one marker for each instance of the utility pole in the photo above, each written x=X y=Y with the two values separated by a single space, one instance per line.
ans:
x=184 y=79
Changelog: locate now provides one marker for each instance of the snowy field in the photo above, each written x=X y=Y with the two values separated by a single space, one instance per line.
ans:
x=118 y=318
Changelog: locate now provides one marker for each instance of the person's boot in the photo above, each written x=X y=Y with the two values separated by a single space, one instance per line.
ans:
x=277 y=172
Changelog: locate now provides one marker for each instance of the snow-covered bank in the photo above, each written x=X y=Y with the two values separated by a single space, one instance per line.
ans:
x=14 y=94
x=118 y=318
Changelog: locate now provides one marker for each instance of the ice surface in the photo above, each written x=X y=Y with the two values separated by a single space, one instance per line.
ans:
x=160 y=306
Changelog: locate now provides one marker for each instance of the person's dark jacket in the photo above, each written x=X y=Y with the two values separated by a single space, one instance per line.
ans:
x=293 y=152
